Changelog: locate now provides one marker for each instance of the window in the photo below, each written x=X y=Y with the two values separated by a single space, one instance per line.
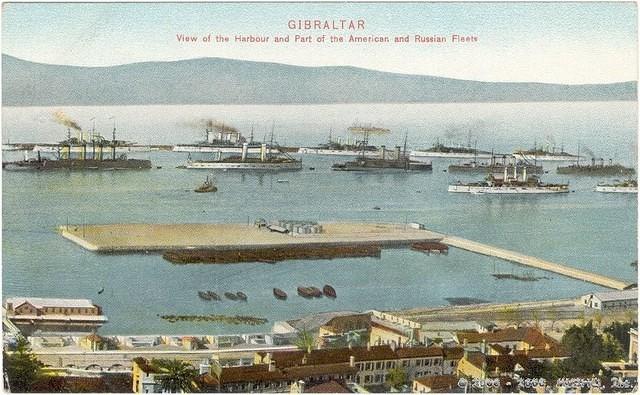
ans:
x=419 y=362
x=378 y=378
x=405 y=364
x=379 y=365
x=367 y=379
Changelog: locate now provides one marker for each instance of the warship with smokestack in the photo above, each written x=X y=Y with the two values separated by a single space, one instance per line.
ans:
x=548 y=154
x=509 y=184
x=626 y=186
x=219 y=137
x=458 y=151
x=396 y=160
x=270 y=158
x=340 y=147
x=599 y=168
x=96 y=154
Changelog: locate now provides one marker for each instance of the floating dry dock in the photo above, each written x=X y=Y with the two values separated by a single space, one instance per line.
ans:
x=163 y=237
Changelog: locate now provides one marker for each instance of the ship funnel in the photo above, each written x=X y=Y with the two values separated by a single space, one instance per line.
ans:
x=382 y=151
x=505 y=174
x=397 y=152
x=515 y=171
x=524 y=174
x=263 y=152
x=245 y=148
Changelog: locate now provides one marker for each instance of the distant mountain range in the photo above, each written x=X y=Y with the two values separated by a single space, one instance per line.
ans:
x=228 y=81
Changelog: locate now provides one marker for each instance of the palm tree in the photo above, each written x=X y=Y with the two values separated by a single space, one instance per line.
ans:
x=176 y=376
x=305 y=340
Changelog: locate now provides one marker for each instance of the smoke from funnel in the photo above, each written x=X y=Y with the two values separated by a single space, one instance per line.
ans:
x=213 y=124
x=62 y=118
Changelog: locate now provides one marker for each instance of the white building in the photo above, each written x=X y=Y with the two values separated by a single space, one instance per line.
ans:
x=615 y=300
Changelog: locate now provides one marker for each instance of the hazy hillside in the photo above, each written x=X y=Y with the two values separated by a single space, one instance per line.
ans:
x=227 y=81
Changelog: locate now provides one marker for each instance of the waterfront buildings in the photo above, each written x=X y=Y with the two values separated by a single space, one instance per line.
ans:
x=614 y=300
x=54 y=315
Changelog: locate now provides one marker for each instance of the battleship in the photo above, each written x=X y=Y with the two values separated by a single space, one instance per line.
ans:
x=220 y=138
x=397 y=160
x=82 y=161
x=270 y=159
x=339 y=148
x=626 y=186
x=495 y=166
x=597 y=169
x=440 y=150
x=548 y=155
x=523 y=184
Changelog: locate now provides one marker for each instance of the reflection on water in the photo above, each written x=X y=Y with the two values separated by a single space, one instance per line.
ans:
x=584 y=229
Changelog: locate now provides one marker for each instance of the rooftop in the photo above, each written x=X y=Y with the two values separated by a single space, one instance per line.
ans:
x=617 y=295
x=50 y=302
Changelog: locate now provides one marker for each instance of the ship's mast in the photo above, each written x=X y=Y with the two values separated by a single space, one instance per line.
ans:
x=113 y=141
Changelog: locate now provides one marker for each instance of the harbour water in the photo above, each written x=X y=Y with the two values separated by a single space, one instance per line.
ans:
x=584 y=229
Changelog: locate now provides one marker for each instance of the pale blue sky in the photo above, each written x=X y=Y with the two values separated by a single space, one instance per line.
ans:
x=542 y=42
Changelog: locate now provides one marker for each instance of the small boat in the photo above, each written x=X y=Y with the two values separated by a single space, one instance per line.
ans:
x=305 y=292
x=329 y=291
x=213 y=295
x=316 y=292
x=207 y=186
x=279 y=294
x=204 y=295
x=376 y=208
x=312 y=168
x=101 y=291
x=242 y=296
x=282 y=181
x=231 y=296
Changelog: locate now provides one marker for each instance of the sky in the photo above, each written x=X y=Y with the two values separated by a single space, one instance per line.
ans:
x=570 y=43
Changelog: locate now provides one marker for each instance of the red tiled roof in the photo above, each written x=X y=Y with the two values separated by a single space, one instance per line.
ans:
x=417 y=352
x=528 y=335
x=500 y=349
x=240 y=374
x=330 y=387
x=336 y=355
x=301 y=372
x=453 y=352
x=439 y=382
x=506 y=363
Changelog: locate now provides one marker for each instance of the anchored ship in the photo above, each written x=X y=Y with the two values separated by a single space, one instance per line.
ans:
x=458 y=151
x=626 y=186
x=548 y=154
x=597 y=169
x=340 y=148
x=523 y=184
x=495 y=166
x=397 y=160
x=220 y=138
x=269 y=159
x=82 y=161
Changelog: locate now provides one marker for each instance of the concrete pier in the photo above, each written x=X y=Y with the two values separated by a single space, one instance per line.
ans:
x=161 y=237
x=537 y=263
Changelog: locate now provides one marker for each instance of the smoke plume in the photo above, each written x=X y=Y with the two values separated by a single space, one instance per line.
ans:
x=62 y=118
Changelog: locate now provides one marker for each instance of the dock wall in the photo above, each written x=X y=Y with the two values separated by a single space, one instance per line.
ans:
x=537 y=263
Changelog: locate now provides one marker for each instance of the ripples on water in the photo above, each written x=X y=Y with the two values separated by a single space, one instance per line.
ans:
x=583 y=229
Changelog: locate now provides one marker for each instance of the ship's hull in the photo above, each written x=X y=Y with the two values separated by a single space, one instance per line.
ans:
x=596 y=170
x=216 y=165
x=614 y=189
x=214 y=148
x=89 y=149
x=492 y=169
x=507 y=190
x=78 y=164
x=545 y=158
x=382 y=165
x=452 y=155
x=333 y=152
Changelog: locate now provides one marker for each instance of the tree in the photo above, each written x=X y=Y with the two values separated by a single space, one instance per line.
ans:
x=587 y=349
x=305 y=340
x=597 y=317
x=176 y=375
x=397 y=377
x=21 y=366
x=620 y=331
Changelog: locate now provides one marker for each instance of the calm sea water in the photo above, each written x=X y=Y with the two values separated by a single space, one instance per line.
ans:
x=584 y=229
